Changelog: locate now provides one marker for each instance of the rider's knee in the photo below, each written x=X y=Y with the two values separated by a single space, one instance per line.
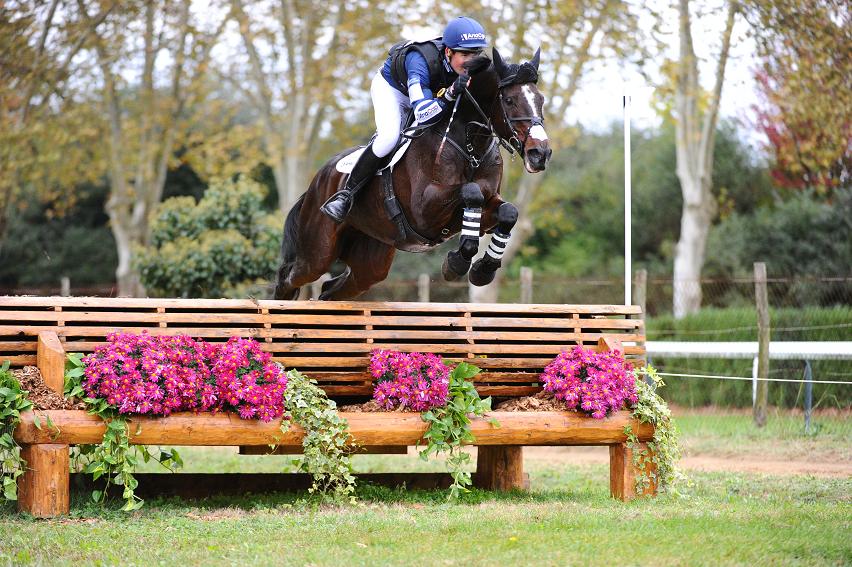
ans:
x=472 y=196
x=384 y=143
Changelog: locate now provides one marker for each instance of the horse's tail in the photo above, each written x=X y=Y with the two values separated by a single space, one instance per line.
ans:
x=290 y=240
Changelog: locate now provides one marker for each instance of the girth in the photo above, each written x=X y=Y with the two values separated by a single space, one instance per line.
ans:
x=405 y=231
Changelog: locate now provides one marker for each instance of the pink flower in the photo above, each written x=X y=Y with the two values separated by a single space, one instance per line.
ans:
x=415 y=381
x=141 y=374
x=595 y=383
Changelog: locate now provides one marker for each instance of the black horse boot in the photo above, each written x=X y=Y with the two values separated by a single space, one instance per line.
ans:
x=339 y=204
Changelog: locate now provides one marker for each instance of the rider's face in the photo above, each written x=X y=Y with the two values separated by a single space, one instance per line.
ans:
x=457 y=59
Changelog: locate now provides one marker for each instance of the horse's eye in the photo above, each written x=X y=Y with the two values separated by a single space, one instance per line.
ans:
x=510 y=100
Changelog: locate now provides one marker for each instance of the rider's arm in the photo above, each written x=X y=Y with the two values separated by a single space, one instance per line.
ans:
x=427 y=109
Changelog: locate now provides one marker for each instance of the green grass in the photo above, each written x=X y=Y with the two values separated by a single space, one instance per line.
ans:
x=733 y=434
x=566 y=518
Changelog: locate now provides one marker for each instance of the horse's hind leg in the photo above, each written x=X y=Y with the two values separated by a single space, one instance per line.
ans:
x=369 y=262
x=457 y=262
x=484 y=269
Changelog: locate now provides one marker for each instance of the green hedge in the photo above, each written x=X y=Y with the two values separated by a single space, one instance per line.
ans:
x=739 y=324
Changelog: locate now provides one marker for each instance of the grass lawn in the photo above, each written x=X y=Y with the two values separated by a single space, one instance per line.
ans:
x=566 y=518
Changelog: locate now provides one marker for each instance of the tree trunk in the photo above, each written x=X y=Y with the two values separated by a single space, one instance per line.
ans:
x=695 y=136
x=689 y=258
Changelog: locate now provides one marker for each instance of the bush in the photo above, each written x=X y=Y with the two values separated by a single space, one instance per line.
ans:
x=216 y=248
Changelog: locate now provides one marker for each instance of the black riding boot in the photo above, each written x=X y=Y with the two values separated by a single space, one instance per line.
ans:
x=338 y=206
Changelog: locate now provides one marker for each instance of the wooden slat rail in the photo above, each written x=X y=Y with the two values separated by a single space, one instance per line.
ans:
x=332 y=342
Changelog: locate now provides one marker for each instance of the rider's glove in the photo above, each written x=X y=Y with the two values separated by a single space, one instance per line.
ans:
x=457 y=88
x=428 y=110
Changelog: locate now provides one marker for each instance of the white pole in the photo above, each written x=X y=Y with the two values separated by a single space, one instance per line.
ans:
x=628 y=259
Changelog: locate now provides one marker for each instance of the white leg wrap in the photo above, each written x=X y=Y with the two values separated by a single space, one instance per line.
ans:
x=498 y=245
x=470 y=222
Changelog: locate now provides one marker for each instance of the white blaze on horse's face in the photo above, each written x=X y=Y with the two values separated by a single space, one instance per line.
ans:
x=536 y=131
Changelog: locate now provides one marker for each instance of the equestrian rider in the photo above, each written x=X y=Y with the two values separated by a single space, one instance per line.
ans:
x=415 y=75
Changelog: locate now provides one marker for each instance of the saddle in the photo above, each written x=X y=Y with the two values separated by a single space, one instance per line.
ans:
x=405 y=232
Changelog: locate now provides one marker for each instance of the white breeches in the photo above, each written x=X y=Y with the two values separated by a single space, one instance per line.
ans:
x=391 y=107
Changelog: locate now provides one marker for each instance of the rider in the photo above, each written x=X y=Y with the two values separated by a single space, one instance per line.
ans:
x=415 y=75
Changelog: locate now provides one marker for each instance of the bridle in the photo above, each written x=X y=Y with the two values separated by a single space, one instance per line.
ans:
x=517 y=144
x=512 y=145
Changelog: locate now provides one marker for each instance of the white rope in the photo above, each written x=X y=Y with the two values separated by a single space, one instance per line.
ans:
x=751 y=379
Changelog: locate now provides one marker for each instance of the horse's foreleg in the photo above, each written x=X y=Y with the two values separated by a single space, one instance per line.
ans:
x=457 y=262
x=484 y=269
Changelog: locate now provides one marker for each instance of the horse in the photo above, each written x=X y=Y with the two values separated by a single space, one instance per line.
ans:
x=448 y=181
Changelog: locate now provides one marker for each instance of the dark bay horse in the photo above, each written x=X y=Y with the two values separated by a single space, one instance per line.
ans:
x=447 y=182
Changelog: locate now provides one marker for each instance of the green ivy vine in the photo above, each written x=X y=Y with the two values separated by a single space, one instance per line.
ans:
x=114 y=459
x=449 y=426
x=13 y=401
x=325 y=444
x=664 y=451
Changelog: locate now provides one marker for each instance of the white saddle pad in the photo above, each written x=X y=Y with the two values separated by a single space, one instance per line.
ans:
x=345 y=164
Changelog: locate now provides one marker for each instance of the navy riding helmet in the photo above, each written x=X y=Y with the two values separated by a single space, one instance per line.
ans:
x=464 y=34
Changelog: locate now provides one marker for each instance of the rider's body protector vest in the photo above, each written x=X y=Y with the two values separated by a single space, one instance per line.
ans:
x=432 y=51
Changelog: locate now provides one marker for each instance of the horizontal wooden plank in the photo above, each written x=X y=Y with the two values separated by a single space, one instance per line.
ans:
x=313 y=306
x=392 y=428
x=382 y=335
x=315 y=319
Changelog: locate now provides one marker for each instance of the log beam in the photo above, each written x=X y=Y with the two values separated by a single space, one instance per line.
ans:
x=623 y=471
x=500 y=468
x=371 y=429
x=43 y=489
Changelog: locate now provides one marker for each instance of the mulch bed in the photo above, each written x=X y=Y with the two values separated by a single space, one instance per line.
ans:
x=39 y=394
x=542 y=401
x=371 y=406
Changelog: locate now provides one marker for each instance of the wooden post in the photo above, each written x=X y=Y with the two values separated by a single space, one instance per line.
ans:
x=500 y=468
x=762 y=300
x=526 y=285
x=622 y=473
x=423 y=288
x=43 y=489
x=50 y=358
x=640 y=290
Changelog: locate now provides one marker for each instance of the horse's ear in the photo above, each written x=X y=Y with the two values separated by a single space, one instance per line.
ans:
x=499 y=65
x=536 y=58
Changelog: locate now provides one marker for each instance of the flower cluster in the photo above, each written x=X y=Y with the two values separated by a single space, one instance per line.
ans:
x=595 y=383
x=144 y=374
x=247 y=381
x=414 y=381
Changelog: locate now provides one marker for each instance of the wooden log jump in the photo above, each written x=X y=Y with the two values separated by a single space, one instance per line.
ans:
x=330 y=342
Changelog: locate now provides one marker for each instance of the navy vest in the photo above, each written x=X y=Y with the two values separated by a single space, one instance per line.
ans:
x=432 y=51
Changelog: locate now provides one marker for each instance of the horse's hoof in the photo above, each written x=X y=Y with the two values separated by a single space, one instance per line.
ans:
x=482 y=274
x=454 y=267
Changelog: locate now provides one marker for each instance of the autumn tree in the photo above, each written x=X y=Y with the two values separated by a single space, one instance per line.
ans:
x=47 y=141
x=302 y=65
x=143 y=117
x=805 y=82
